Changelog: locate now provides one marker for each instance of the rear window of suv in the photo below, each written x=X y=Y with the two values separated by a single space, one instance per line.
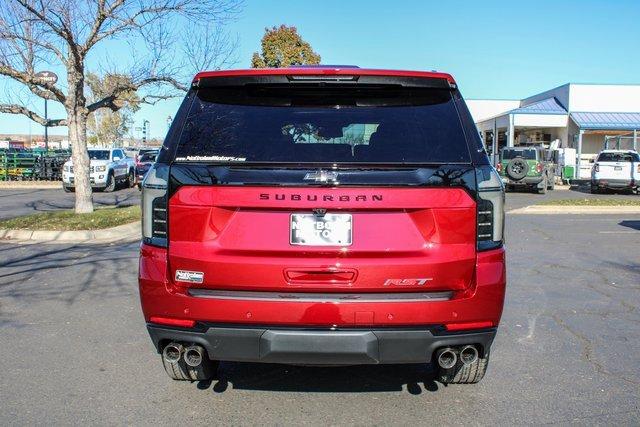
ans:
x=618 y=157
x=525 y=154
x=323 y=125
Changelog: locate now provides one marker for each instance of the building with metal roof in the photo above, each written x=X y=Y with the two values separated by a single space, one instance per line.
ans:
x=584 y=117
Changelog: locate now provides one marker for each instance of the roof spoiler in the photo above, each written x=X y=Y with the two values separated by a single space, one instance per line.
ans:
x=311 y=79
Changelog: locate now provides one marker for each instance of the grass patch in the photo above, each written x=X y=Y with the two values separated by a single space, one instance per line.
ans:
x=592 y=202
x=68 y=220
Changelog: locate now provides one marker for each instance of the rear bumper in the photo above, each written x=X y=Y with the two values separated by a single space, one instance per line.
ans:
x=613 y=183
x=376 y=327
x=527 y=180
x=319 y=347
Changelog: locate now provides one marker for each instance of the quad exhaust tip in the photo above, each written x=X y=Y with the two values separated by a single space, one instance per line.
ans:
x=447 y=358
x=193 y=355
x=172 y=352
x=468 y=354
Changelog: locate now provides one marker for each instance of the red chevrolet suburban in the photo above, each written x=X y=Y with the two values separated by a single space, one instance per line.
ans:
x=323 y=216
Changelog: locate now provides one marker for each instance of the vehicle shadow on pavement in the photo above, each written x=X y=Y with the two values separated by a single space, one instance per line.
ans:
x=412 y=378
x=633 y=224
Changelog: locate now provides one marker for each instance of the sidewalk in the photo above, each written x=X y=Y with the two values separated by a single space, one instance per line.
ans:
x=122 y=233
x=575 y=210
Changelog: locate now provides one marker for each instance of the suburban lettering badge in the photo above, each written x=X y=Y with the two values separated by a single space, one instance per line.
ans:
x=322 y=198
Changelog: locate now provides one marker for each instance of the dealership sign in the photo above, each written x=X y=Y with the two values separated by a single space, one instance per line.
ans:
x=47 y=77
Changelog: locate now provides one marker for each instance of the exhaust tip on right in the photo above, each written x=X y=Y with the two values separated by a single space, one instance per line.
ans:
x=193 y=355
x=447 y=358
x=468 y=354
x=172 y=352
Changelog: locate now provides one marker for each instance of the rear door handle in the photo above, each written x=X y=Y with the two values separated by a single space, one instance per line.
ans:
x=320 y=275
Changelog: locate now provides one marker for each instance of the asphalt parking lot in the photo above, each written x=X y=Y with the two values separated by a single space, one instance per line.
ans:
x=76 y=349
x=25 y=201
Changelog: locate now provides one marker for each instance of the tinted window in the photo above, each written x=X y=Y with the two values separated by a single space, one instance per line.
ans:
x=327 y=125
x=149 y=156
x=525 y=154
x=618 y=157
x=99 y=154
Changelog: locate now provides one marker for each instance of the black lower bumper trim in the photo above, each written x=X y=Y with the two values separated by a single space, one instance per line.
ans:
x=319 y=347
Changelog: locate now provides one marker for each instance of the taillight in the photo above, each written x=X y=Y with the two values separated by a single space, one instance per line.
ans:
x=539 y=167
x=596 y=167
x=490 y=208
x=499 y=167
x=154 y=205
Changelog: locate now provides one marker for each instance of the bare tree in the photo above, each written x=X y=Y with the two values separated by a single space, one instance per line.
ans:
x=39 y=33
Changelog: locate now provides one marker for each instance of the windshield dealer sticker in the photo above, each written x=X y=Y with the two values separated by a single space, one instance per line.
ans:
x=211 y=159
x=189 y=276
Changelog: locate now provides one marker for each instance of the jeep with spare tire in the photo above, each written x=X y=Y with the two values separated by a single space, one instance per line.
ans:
x=528 y=167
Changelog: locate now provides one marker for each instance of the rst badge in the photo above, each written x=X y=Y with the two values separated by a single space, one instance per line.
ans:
x=407 y=282
x=189 y=276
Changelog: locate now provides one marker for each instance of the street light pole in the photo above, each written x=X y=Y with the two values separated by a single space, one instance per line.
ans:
x=46 y=127
x=51 y=78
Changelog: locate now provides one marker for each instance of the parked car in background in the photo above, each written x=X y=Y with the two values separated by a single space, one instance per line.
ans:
x=323 y=216
x=108 y=167
x=527 y=167
x=616 y=170
x=143 y=164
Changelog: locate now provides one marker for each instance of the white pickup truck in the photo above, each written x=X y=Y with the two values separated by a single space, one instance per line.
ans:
x=109 y=166
x=616 y=170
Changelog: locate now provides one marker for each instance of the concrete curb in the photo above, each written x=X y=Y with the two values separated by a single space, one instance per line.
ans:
x=39 y=185
x=127 y=232
x=575 y=210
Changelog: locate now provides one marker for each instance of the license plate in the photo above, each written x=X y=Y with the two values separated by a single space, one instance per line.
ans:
x=617 y=168
x=315 y=230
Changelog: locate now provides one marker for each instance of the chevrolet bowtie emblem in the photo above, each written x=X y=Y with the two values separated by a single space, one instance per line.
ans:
x=321 y=176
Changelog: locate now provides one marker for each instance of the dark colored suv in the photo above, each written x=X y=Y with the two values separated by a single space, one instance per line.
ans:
x=323 y=216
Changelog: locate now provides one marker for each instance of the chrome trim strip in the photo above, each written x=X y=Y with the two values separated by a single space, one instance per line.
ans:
x=321 y=297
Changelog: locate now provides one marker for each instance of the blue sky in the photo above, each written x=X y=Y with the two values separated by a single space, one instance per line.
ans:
x=494 y=49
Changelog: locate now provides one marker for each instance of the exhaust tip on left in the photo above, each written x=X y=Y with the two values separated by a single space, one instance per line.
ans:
x=447 y=358
x=172 y=352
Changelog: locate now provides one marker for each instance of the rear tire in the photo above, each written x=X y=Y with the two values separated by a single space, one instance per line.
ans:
x=180 y=371
x=595 y=190
x=68 y=189
x=465 y=374
x=552 y=183
x=545 y=184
